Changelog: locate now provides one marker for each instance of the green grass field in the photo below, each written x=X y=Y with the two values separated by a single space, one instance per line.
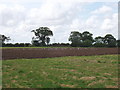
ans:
x=63 y=72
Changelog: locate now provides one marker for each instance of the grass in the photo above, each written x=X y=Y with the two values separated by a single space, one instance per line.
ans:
x=63 y=72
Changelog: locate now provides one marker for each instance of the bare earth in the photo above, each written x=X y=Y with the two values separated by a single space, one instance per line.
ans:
x=28 y=53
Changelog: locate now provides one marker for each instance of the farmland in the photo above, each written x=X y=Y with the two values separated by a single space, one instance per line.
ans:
x=62 y=72
x=29 y=53
x=44 y=67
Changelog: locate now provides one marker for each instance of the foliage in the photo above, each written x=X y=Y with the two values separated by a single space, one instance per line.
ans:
x=84 y=39
x=75 y=38
x=86 y=43
x=99 y=39
x=87 y=36
x=110 y=41
x=99 y=42
x=4 y=38
x=42 y=34
x=99 y=45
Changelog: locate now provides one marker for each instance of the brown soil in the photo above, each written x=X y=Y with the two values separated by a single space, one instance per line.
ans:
x=28 y=53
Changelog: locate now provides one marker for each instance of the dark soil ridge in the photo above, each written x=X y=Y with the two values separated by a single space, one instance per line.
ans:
x=29 y=53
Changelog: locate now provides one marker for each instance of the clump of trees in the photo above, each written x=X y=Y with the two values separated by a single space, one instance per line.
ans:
x=41 y=36
x=108 y=41
x=86 y=39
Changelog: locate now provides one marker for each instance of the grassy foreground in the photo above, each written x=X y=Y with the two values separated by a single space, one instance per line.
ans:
x=63 y=72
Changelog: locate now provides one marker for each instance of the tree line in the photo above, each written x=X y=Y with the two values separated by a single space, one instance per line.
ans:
x=86 y=39
x=77 y=39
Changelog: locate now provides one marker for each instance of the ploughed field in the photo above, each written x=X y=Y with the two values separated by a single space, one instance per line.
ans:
x=28 y=53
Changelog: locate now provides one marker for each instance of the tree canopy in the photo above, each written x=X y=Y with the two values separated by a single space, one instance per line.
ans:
x=4 y=38
x=42 y=36
x=86 y=39
x=87 y=36
x=110 y=41
x=81 y=39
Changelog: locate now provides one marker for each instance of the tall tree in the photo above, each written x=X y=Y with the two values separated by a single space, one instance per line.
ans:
x=110 y=41
x=42 y=33
x=75 y=38
x=87 y=39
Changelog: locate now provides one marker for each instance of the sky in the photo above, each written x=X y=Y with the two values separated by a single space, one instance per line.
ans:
x=19 y=17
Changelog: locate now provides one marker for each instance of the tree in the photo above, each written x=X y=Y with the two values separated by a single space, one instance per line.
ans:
x=87 y=39
x=84 y=39
x=99 y=39
x=42 y=34
x=4 y=38
x=87 y=36
x=99 y=42
x=75 y=38
x=110 y=41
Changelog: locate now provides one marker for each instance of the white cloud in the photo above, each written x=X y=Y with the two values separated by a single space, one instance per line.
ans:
x=102 y=10
x=100 y=23
x=110 y=23
x=107 y=25
x=17 y=20
x=92 y=21
x=11 y=16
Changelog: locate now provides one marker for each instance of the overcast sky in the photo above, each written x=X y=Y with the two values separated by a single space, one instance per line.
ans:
x=19 y=17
